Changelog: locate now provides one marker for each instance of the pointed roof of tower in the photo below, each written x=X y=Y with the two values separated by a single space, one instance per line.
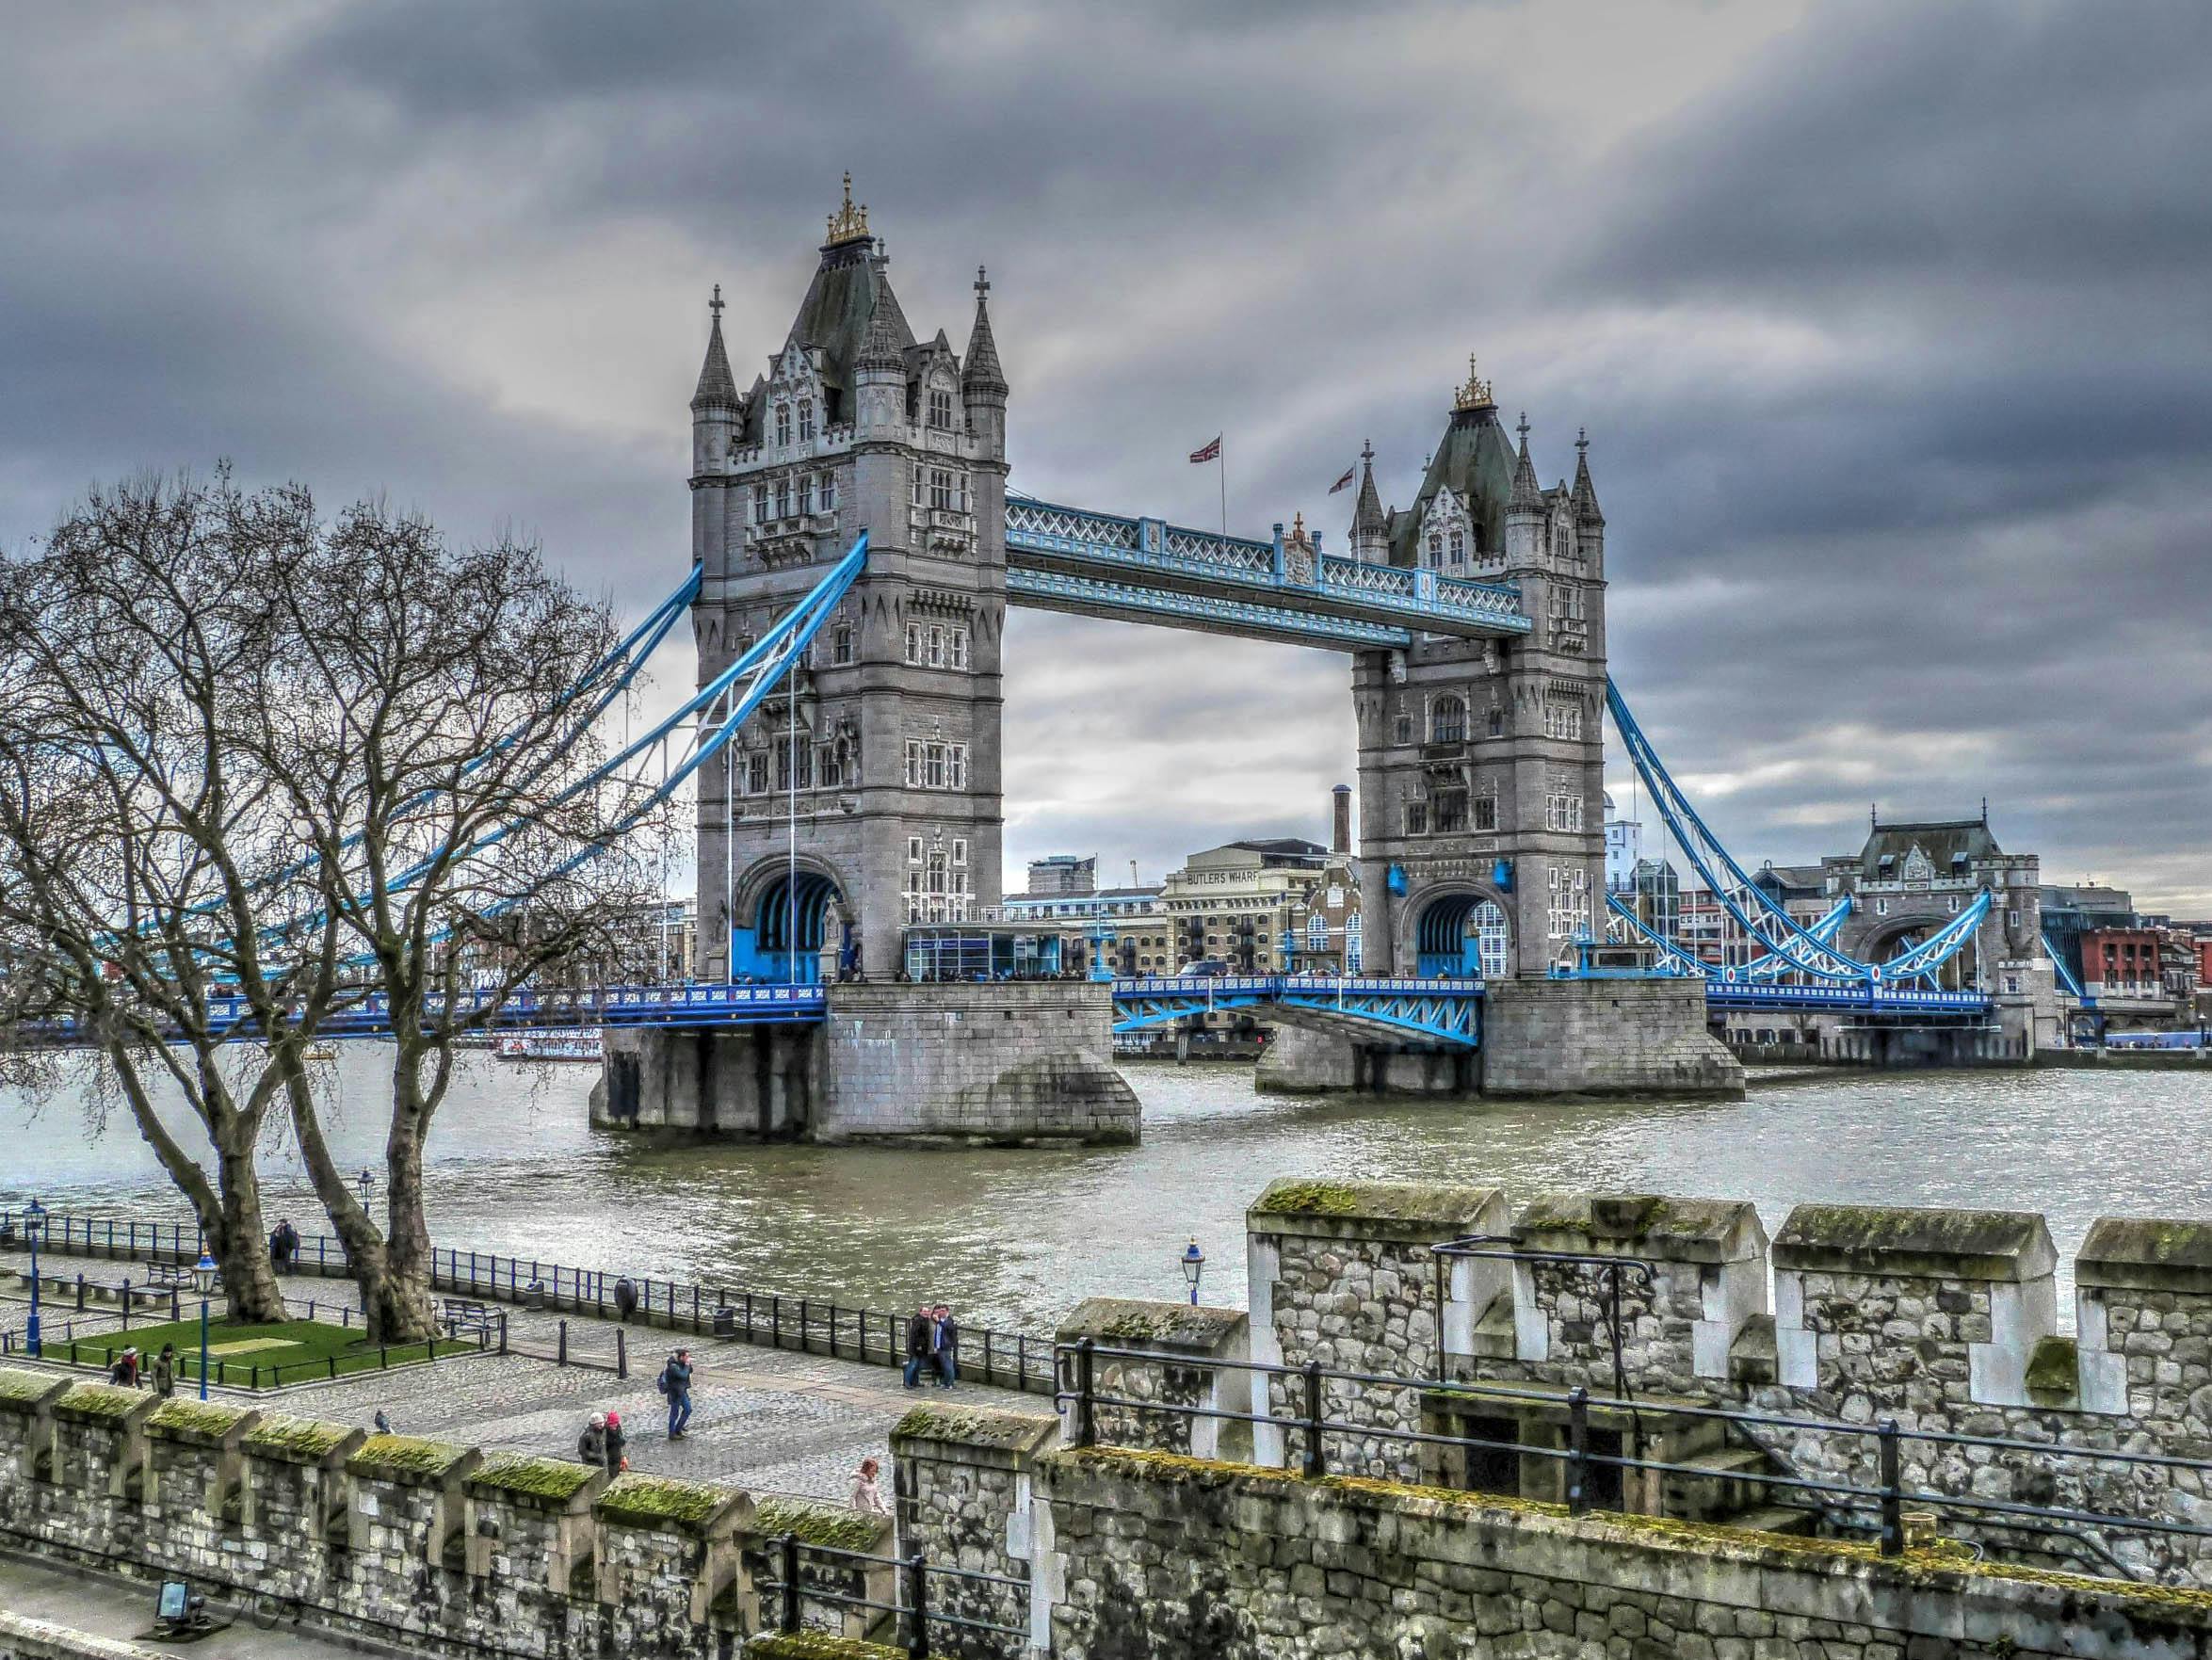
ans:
x=1585 y=502
x=1367 y=518
x=1475 y=460
x=716 y=385
x=1527 y=493
x=852 y=288
x=980 y=371
x=882 y=347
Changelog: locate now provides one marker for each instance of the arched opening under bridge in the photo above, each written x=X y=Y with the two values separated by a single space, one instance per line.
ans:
x=1464 y=935
x=792 y=908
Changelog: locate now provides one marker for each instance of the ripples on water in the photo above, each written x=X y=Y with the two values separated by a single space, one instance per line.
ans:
x=1017 y=1236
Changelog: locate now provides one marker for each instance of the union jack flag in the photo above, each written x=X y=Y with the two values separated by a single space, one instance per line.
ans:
x=1212 y=452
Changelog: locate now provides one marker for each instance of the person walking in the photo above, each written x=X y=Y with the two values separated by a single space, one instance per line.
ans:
x=165 y=1371
x=921 y=1345
x=625 y=1298
x=675 y=1382
x=867 y=1491
x=618 y=1441
x=948 y=1339
x=125 y=1373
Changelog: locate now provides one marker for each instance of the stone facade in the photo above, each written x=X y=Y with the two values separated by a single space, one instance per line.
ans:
x=1204 y=1376
x=963 y=1482
x=854 y=426
x=1603 y=1037
x=1007 y=1063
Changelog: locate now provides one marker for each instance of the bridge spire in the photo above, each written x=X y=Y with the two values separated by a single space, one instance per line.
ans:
x=1585 y=502
x=979 y=371
x=1527 y=496
x=1370 y=529
x=718 y=387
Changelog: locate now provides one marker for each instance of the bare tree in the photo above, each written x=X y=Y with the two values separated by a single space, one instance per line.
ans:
x=142 y=846
x=314 y=763
x=431 y=722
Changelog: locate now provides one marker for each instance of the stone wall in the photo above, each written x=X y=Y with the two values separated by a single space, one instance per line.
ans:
x=1013 y=1063
x=1603 y=1037
x=1203 y=1378
x=1342 y=1273
x=437 y=1548
x=964 y=1478
x=1943 y=1322
x=1174 y=1557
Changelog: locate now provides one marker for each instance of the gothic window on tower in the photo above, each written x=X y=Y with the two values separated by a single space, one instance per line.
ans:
x=1497 y=720
x=760 y=504
x=756 y=773
x=1451 y=811
x=1416 y=818
x=957 y=647
x=840 y=643
x=1435 y=550
x=806 y=493
x=944 y=492
x=832 y=766
x=936 y=657
x=782 y=498
x=1563 y=802
x=913 y=644
x=828 y=492
x=1568 y=912
x=1405 y=728
x=1562 y=719
x=806 y=420
x=1485 y=813
x=1459 y=548
x=940 y=409
x=1447 y=720
x=783 y=423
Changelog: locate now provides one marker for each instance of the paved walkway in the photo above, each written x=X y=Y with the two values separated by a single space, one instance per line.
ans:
x=122 y=1612
x=772 y=1421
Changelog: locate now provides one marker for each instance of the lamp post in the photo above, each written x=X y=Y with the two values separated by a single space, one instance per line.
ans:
x=34 y=1223
x=203 y=1272
x=1194 y=1265
x=366 y=1182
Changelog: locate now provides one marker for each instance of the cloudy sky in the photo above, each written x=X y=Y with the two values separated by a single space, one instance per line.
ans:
x=1890 y=324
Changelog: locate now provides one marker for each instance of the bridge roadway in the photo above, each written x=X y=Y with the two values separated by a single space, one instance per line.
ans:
x=1446 y=1011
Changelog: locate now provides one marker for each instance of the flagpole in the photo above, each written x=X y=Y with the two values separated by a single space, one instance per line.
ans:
x=1222 y=459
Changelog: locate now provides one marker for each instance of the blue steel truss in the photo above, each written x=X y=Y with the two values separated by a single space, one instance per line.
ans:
x=1442 y=1011
x=1147 y=571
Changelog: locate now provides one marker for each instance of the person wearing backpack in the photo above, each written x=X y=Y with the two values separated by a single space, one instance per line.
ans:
x=675 y=1382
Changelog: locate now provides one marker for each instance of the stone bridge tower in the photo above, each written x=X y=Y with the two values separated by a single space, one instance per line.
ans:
x=1481 y=762
x=884 y=805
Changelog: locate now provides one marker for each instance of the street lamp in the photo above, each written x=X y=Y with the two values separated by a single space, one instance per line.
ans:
x=203 y=1272
x=366 y=1182
x=34 y=1223
x=1194 y=1264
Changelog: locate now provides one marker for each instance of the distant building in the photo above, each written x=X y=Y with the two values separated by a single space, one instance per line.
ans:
x=1063 y=872
x=1654 y=892
x=1624 y=850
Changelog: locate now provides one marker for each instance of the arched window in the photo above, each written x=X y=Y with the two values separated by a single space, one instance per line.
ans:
x=1316 y=933
x=940 y=409
x=1447 y=720
x=783 y=423
x=1435 y=550
x=1459 y=548
x=806 y=420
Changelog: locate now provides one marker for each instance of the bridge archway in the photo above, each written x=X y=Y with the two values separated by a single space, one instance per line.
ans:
x=1901 y=933
x=786 y=912
x=1464 y=933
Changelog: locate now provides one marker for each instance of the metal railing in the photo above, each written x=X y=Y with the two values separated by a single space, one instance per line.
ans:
x=912 y=1608
x=1885 y=1499
x=1005 y=1360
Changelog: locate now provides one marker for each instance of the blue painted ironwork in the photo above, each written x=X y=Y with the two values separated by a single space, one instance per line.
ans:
x=1865 y=997
x=1149 y=570
x=2067 y=978
x=1444 y=1011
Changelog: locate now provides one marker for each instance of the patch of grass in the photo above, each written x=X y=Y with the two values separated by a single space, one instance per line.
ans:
x=263 y=1356
x=660 y=1501
x=816 y=1522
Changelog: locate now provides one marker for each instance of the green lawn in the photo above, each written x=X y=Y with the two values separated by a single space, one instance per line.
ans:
x=265 y=1357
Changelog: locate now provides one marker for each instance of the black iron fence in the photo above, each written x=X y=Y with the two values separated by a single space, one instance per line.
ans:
x=913 y=1608
x=1008 y=1360
x=1879 y=1507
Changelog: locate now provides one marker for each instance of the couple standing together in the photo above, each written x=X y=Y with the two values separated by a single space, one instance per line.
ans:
x=932 y=1340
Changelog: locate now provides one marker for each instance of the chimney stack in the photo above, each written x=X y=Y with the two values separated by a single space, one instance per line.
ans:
x=1340 y=822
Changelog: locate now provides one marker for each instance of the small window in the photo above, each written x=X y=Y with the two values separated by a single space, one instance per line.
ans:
x=1416 y=818
x=783 y=423
x=941 y=490
x=936 y=647
x=914 y=849
x=913 y=642
x=806 y=493
x=806 y=420
x=1405 y=728
x=940 y=409
x=1497 y=720
x=756 y=773
x=960 y=849
x=959 y=646
x=828 y=492
x=840 y=643
x=760 y=504
x=782 y=498
x=1486 y=813
x=1450 y=811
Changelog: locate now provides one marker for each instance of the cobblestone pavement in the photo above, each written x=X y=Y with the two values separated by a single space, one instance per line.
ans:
x=769 y=1420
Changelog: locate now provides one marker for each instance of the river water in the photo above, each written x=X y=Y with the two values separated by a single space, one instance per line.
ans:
x=1015 y=1237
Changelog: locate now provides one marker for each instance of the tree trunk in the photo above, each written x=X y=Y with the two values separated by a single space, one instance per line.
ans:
x=237 y=1239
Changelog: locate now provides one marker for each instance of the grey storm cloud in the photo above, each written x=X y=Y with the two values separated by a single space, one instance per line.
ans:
x=1887 y=322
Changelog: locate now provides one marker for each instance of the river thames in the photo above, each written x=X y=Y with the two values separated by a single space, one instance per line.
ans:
x=1015 y=1237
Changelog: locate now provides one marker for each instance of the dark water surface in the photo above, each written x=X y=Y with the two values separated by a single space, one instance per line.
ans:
x=1015 y=1237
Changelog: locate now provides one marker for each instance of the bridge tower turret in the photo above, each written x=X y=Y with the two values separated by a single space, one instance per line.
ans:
x=1481 y=762
x=714 y=431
